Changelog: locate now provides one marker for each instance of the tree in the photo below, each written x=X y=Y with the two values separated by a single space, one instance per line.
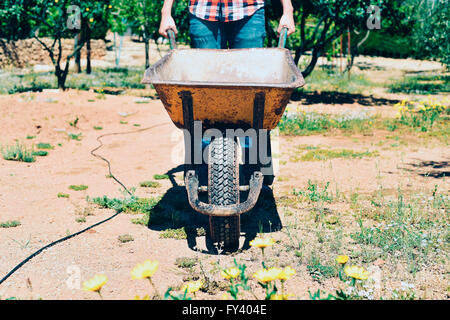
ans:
x=52 y=17
x=432 y=29
x=14 y=24
x=320 y=22
x=143 y=17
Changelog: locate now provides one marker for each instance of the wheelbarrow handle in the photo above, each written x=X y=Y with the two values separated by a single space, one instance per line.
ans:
x=283 y=37
x=172 y=40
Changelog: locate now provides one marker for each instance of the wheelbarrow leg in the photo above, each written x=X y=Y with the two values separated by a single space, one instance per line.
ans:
x=258 y=125
x=188 y=120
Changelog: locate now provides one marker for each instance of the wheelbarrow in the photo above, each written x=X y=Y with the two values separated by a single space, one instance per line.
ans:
x=209 y=93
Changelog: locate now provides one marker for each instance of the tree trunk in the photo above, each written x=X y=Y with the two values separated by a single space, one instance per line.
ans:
x=315 y=56
x=78 y=55
x=147 y=58
x=88 y=49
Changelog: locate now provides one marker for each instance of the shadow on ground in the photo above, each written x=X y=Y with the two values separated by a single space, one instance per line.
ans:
x=174 y=212
x=432 y=169
x=334 y=97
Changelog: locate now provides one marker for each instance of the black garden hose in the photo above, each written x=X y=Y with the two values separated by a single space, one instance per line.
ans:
x=17 y=267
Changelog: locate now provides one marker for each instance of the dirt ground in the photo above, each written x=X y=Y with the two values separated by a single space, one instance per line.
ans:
x=29 y=192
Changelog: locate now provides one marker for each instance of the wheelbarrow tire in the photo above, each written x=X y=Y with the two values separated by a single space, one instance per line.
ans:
x=223 y=189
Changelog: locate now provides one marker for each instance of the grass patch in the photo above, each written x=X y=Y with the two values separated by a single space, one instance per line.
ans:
x=314 y=194
x=178 y=234
x=105 y=80
x=124 y=238
x=150 y=184
x=411 y=230
x=80 y=187
x=63 y=195
x=45 y=146
x=307 y=123
x=170 y=211
x=98 y=128
x=160 y=176
x=74 y=136
x=423 y=84
x=186 y=262
x=18 y=152
x=322 y=79
x=10 y=224
x=40 y=153
x=81 y=219
x=327 y=154
x=319 y=271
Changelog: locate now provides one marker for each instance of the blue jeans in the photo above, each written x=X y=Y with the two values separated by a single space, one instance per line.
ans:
x=246 y=33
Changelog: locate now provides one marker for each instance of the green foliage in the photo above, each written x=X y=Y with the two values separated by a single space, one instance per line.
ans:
x=75 y=136
x=325 y=154
x=387 y=45
x=340 y=295
x=313 y=193
x=80 y=187
x=421 y=116
x=405 y=231
x=160 y=176
x=40 y=153
x=150 y=184
x=18 y=152
x=424 y=84
x=320 y=22
x=63 y=195
x=319 y=271
x=311 y=122
x=81 y=219
x=185 y=262
x=10 y=224
x=14 y=24
x=44 y=145
x=143 y=17
x=178 y=234
x=432 y=30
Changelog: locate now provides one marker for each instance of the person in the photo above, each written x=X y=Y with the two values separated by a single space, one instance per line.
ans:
x=223 y=24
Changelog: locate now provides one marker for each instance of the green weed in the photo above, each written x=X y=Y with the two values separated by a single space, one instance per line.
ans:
x=18 y=152
x=80 y=187
x=10 y=224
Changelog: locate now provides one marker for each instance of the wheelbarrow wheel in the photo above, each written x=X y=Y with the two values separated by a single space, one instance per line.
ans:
x=223 y=189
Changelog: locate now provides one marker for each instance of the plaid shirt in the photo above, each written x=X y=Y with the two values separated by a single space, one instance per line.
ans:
x=224 y=10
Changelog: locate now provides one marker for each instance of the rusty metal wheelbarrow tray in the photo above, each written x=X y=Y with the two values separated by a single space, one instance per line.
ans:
x=223 y=83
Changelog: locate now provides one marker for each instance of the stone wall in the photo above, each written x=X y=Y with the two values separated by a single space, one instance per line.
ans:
x=30 y=52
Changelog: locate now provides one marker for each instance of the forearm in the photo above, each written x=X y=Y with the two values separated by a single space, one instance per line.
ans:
x=287 y=6
x=167 y=7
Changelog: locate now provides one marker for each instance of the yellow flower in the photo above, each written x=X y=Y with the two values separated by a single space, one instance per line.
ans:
x=342 y=259
x=262 y=242
x=91 y=20
x=281 y=296
x=356 y=272
x=95 y=284
x=146 y=297
x=87 y=9
x=230 y=273
x=192 y=287
x=286 y=273
x=267 y=275
x=144 y=270
x=110 y=6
